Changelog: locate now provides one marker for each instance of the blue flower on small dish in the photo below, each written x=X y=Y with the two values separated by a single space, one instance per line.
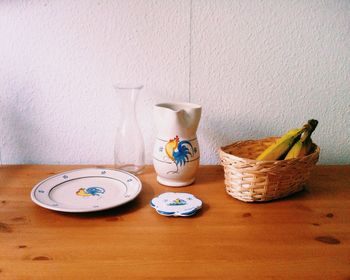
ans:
x=176 y=204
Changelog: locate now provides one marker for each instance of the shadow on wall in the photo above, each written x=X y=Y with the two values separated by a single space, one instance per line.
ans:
x=22 y=139
x=216 y=131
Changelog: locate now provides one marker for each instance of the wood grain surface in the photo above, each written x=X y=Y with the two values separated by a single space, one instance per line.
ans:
x=305 y=236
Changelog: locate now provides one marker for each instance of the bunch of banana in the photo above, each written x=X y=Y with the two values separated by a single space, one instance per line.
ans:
x=295 y=143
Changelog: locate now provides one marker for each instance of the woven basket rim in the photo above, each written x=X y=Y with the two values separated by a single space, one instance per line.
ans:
x=249 y=160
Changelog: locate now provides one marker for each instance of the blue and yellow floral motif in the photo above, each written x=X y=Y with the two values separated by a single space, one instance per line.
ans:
x=177 y=202
x=92 y=191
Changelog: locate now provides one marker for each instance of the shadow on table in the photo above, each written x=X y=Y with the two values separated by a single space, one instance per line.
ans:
x=309 y=191
x=201 y=212
x=205 y=179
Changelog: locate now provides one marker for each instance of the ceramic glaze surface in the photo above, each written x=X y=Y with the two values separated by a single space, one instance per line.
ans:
x=176 y=204
x=176 y=151
x=86 y=190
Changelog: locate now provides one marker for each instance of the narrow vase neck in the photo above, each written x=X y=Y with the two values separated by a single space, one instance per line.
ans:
x=127 y=97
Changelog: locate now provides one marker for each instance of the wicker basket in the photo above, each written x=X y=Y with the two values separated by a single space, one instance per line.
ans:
x=250 y=180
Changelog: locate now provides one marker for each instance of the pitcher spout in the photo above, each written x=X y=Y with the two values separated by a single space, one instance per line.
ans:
x=182 y=117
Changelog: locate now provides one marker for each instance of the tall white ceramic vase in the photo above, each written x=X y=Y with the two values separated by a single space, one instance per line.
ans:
x=176 y=150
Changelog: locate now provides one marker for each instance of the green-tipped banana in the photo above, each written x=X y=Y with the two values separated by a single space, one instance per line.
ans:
x=304 y=145
x=282 y=145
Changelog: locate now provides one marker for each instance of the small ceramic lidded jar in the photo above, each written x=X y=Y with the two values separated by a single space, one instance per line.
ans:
x=176 y=150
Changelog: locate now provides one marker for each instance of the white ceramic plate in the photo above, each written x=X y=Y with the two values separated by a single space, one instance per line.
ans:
x=86 y=190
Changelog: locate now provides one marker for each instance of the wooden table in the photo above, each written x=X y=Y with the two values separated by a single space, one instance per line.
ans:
x=306 y=236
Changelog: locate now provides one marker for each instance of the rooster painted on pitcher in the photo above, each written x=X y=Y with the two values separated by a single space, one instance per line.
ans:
x=179 y=152
x=176 y=159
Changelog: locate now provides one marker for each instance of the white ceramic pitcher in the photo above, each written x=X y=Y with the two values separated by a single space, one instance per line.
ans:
x=176 y=150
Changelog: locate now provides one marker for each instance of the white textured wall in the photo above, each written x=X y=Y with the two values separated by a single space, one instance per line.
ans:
x=258 y=68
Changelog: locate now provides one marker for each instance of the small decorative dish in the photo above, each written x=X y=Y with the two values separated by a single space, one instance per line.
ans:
x=86 y=190
x=176 y=204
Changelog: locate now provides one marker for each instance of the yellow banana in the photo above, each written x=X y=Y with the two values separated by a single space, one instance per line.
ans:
x=300 y=148
x=282 y=145
x=304 y=145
